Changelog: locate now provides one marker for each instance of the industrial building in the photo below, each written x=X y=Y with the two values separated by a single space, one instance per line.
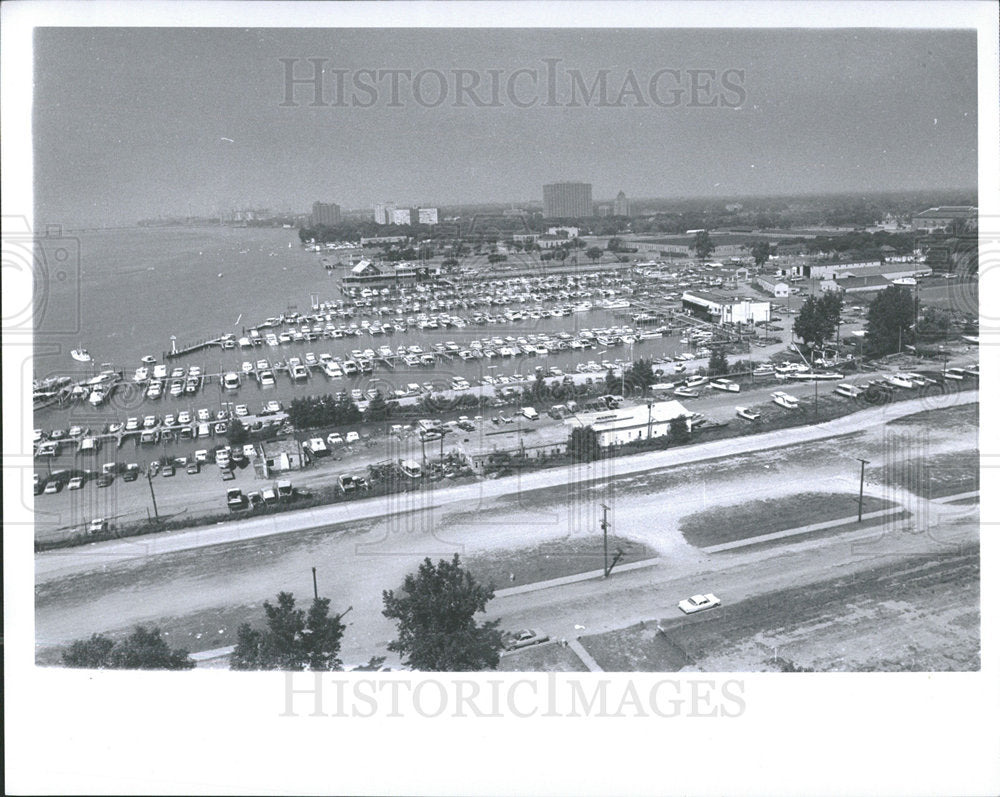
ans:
x=641 y=422
x=723 y=310
x=949 y=218
x=774 y=285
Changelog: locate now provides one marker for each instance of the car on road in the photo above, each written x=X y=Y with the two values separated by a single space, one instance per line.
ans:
x=524 y=639
x=699 y=603
x=105 y=480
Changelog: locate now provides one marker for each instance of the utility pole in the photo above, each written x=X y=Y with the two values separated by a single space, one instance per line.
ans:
x=315 y=587
x=618 y=554
x=861 y=489
x=149 y=478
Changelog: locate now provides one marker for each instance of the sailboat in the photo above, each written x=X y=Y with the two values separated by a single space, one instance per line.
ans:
x=81 y=355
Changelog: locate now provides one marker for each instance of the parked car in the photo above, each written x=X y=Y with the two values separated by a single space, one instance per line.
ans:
x=131 y=472
x=699 y=603
x=352 y=437
x=193 y=467
x=168 y=470
x=105 y=480
x=524 y=639
x=75 y=483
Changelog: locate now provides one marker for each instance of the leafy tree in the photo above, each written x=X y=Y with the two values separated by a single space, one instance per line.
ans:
x=378 y=408
x=678 y=432
x=237 y=433
x=640 y=374
x=702 y=245
x=539 y=388
x=760 y=251
x=583 y=444
x=143 y=649
x=594 y=253
x=818 y=319
x=890 y=316
x=292 y=639
x=436 y=627
x=718 y=365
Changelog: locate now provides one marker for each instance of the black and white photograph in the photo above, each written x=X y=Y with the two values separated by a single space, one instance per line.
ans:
x=528 y=364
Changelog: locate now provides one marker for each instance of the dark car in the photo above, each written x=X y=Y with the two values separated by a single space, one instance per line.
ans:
x=105 y=480
x=131 y=472
x=228 y=475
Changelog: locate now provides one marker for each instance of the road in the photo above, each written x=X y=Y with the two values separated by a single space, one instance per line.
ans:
x=200 y=584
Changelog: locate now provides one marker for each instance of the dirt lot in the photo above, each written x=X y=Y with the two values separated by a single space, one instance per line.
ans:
x=921 y=616
x=932 y=476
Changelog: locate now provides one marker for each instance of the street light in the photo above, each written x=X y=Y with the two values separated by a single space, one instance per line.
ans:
x=861 y=489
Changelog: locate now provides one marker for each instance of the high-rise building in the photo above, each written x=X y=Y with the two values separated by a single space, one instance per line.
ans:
x=567 y=201
x=325 y=214
x=384 y=211
x=404 y=216
x=427 y=215
x=621 y=204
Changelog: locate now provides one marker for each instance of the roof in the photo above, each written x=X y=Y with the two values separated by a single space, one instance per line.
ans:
x=947 y=211
x=362 y=267
x=657 y=411
x=870 y=281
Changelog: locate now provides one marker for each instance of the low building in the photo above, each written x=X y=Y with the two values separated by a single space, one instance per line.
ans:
x=867 y=284
x=280 y=456
x=564 y=232
x=948 y=218
x=627 y=425
x=725 y=310
x=774 y=285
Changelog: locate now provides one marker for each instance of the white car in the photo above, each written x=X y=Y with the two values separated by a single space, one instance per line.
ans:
x=204 y=415
x=242 y=411
x=698 y=603
x=183 y=417
x=273 y=406
x=131 y=424
x=201 y=455
x=352 y=437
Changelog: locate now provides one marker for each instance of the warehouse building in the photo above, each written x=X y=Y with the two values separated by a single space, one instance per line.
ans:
x=641 y=422
x=724 y=310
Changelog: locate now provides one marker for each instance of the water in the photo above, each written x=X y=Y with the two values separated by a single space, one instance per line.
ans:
x=135 y=288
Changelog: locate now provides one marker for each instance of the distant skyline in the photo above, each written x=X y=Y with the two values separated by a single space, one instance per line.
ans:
x=139 y=123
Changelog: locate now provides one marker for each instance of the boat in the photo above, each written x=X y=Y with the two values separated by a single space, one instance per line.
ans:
x=685 y=392
x=81 y=355
x=782 y=399
x=149 y=359
x=814 y=376
x=848 y=390
x=725 y=384
x=696 y=381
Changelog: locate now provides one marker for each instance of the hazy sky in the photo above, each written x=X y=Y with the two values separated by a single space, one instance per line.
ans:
x=133 y=123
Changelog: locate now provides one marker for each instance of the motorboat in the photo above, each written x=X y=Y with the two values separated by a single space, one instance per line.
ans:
x=81 y=355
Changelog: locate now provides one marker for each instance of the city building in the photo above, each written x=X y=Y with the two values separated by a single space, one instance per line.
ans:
x=404 y=216
x=564 y=232
x=724 y=310
x=427 y=215
x=567 y=201
x=384 y=211
x=774 y=285
x=621 y=204
x=948 y=218
x=641 y=422
x=325 y=214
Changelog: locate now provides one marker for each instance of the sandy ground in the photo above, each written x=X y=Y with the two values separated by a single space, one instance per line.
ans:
x=207 y=580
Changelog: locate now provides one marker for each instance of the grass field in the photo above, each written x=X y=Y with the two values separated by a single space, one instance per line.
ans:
x=551 y=560
x=755 y=518
x=551 y=657
x=933 y=477
x=964 y=415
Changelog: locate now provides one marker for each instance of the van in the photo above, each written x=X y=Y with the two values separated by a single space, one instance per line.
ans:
x=530 y=413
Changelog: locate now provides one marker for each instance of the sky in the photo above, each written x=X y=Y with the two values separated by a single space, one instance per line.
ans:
x=138 y=123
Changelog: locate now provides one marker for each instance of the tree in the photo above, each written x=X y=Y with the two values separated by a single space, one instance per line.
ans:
x=678 y=432
x=292 y=640
x=890 y=316
x=143 y=649
x=237 y=433
x=583 y=445
x=594 y=253
x=640 y=374
x=702 y=245
x=718 y=365
x=817 y=320
x=378 y=409
x=434 y=612
x=760 y=251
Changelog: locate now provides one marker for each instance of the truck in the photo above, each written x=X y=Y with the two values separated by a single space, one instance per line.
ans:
x=530 y=413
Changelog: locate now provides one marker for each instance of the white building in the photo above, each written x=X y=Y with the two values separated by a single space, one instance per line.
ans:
x=570 y=232
x=404 y=216
x=629 y=424
x=427 y=215
x=775 y=286
x=723 y=310
x=384 y=212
